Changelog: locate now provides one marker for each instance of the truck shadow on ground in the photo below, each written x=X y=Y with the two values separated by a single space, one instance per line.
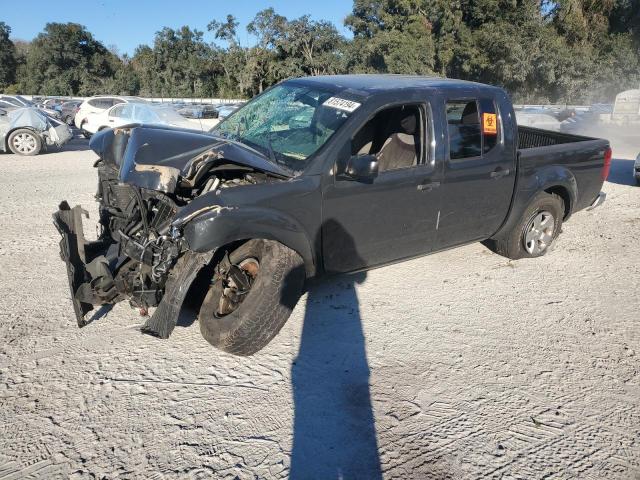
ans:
x=621 y=172
x=334 y=432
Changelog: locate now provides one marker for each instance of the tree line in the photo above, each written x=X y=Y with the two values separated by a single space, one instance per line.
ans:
x=573 y=51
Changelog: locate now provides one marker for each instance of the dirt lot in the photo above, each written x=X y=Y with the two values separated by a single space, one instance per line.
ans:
x=456 y=365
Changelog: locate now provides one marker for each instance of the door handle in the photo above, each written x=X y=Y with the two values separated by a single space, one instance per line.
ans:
x=499 y=173
x=427 y=187
x=110 y=120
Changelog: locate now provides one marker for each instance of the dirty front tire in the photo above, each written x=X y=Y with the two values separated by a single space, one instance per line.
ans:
x=526 y=239
x=24 y=142
x=266 y=307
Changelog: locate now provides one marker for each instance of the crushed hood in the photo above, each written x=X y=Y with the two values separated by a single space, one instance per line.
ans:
x=155 y=157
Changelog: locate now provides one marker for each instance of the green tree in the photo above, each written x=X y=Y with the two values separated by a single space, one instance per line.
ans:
x=126 y=80
x=309 y=47
x=8 y=62
x=391 y=36
x=65 y=59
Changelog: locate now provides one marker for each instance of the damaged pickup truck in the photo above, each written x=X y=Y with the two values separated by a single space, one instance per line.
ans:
x=315 y=176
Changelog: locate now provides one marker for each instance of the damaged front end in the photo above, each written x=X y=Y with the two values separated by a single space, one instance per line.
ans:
x=147 y=178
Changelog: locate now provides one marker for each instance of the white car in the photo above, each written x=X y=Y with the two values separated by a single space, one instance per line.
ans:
x=537 y=119
x=148 y=113
x=96 y=105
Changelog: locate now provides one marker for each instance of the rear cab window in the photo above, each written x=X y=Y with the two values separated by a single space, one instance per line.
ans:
x=473 y=126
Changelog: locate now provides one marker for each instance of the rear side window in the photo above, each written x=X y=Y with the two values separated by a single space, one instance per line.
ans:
x=473 y=126
x=465 y=135
x=103 y=103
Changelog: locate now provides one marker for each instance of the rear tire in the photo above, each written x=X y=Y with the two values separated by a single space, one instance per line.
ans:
x=534 y=234
x=258 y=317
x=25 y=142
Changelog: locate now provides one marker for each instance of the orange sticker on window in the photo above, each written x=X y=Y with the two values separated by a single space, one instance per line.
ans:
x=490 y=123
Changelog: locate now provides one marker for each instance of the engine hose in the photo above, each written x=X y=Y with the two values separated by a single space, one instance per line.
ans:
x=143 y=210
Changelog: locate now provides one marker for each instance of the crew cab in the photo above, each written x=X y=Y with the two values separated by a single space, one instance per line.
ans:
x=316 y=176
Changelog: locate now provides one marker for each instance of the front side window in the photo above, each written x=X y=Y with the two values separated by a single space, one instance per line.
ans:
x=143 y=114
x=127 y=111
x=394 y=136
x=288 y=123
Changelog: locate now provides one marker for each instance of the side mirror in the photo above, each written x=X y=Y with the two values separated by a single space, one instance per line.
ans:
x=363 y=168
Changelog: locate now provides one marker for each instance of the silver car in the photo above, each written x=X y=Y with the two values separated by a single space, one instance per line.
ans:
x=27 y=131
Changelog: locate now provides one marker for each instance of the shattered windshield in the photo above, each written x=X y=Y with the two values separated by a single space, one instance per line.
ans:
x=288 y=123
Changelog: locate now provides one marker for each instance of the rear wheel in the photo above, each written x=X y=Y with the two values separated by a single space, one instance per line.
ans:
x=24 y=142
x=252 y=293
x=533 y=235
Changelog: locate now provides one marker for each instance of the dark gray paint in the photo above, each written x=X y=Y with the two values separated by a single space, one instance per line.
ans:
x=394 y=216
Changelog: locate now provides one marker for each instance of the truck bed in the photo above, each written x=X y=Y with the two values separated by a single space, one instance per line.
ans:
x=575 y=160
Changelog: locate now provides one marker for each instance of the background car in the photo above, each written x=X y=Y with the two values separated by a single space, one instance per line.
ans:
x=52 y=103
x=27 y=131
x=636 y=169
x=537 y=118
x=225 y=110
x=133 y=112
x=18 y=101
x=68 y=111
x=197 y=110
x=95 y=105
x=7 y=106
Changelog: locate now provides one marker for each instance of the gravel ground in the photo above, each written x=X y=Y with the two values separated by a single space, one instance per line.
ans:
x=456 y=365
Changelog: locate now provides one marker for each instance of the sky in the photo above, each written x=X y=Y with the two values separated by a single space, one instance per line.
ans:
x=128 y=23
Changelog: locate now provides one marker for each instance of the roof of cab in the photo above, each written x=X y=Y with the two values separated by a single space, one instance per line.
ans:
x=381 y=83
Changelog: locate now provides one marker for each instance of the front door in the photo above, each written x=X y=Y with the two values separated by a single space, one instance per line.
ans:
x=393 y=216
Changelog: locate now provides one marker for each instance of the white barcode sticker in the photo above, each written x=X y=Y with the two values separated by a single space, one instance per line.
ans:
x=341 y=104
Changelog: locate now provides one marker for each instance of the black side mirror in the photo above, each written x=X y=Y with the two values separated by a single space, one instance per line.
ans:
x=363 y=168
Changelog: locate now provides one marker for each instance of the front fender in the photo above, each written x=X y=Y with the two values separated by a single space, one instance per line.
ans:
x=220 y=225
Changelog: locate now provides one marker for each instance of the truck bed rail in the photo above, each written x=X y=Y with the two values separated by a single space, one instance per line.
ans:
x=529 y=137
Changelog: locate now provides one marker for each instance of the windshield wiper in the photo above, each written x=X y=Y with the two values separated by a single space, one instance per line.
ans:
x=272 y=155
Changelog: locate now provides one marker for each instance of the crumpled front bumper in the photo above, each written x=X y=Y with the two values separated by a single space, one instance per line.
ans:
x=87 y=269
x=91 y=279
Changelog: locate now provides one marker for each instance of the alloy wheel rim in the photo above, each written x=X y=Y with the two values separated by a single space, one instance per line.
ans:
x=538 y=234
x=24 y=143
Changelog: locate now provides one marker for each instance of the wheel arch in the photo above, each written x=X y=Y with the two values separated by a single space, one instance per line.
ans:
x=224 y=226
x=553 y=179
x=564 y=193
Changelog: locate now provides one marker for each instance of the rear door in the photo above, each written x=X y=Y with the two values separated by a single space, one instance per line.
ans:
x=479 y=173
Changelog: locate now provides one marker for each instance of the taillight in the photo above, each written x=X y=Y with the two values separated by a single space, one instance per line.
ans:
x=608 y=155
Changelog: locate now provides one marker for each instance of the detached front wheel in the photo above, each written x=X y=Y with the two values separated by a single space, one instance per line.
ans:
x=252 y=293
x=533 y=235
